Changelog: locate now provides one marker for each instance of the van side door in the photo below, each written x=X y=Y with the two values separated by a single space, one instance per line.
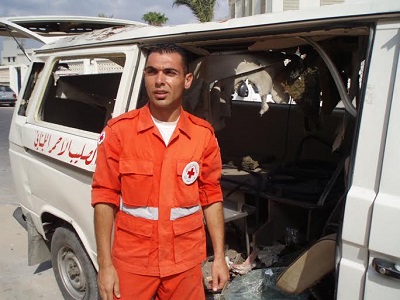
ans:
x=383 y=273
x=53 y=137
x=366 y=232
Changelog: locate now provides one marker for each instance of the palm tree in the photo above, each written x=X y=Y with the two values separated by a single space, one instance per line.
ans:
x=154 y=18
x=203 y=10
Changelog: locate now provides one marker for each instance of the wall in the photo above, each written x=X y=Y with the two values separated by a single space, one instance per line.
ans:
x=13 y=76
x=243 y=8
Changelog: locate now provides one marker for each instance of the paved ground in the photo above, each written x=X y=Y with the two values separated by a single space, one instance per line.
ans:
x=18 y=281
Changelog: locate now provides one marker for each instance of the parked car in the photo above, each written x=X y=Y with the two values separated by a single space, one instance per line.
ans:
x=7 y=95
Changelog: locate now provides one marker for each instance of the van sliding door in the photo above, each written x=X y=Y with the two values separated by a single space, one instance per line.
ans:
x=383 y=274
x=368 y=231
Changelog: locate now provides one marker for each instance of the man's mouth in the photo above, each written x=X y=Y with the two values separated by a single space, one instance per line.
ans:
x=160 y=95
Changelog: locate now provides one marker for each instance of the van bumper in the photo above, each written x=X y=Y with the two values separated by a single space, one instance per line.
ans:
x=38 y=250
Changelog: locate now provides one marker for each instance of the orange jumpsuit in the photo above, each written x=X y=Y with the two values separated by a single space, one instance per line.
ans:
x=135 y=167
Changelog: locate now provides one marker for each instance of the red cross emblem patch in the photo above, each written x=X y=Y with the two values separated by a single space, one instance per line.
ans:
x=102 y=137
x=190 y=172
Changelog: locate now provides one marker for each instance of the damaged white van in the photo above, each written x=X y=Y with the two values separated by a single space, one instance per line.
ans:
x=303 y=105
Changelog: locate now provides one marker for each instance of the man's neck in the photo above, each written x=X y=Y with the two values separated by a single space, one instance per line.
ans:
x=165 y=115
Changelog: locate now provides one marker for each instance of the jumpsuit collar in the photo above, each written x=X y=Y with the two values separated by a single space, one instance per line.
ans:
x=145 y=121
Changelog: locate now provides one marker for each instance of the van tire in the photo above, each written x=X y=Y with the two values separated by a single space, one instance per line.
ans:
x=74 y=272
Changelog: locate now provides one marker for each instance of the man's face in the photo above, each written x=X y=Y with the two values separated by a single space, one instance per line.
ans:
x=165 y=80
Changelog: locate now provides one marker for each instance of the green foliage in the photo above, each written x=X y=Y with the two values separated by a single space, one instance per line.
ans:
x=203 y=10
x=154 y=18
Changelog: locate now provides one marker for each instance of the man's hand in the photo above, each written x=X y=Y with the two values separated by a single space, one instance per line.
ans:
x=107 y=278
x=108 y=283
x=215 y=223
x=220 y=274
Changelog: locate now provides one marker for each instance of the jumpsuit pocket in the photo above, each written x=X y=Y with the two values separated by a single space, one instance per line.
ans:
x=186 y=194
x=132 y=239
x=136 y=181
x=189 y=237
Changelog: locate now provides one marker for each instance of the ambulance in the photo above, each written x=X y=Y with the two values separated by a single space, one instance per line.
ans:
x=303 y=106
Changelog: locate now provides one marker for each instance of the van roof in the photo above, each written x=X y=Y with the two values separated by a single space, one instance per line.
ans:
x=47 y=29
x=58 y=32
x=338 y=15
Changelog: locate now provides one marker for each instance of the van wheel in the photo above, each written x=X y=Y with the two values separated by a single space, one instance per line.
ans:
x=74 y=272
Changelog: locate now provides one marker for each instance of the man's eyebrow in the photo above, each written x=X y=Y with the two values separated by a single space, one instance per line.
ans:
x=171 y=69
x=149 y=68
x=168 y=69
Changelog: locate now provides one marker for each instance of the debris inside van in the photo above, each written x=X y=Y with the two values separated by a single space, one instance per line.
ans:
x=247 y=265
x=310 y=267
x=266 y=255
x=259 y=284
x=249 y=164
x=282 y=272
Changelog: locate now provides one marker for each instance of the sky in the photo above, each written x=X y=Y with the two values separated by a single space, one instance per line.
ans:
x=119 y=9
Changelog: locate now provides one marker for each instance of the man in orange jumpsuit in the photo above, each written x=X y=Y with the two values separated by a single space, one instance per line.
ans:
x=157 y=174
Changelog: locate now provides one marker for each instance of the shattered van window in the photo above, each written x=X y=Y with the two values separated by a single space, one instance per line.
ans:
x=31 y=85
x=81 y=92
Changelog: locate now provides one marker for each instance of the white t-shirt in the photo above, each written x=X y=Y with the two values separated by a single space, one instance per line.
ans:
x=166 y=129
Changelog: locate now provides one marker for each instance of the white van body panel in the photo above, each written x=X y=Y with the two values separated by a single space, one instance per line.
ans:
x=54 y=164
x=384 y=239
x=64 y=147
x=361 y=198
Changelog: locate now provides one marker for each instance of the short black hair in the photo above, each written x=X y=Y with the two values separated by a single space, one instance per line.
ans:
x=163 y=48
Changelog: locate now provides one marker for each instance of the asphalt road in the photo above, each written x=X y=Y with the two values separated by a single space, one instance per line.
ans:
x=18 y=281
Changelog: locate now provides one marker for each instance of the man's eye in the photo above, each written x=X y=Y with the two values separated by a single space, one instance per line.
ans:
x=170 y=72
x=150 y=71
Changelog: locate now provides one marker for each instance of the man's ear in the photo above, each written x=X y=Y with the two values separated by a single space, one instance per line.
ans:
x=188 y=80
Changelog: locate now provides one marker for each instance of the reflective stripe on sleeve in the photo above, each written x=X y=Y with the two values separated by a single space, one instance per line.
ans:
x=180 y=212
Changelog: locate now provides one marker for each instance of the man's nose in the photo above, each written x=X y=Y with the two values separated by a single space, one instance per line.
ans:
x=160 y=77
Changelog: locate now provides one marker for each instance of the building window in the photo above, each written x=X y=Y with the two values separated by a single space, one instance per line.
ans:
x=248 y=8
x=232 y=8
x=329 y=2
x=290 y=5
x=267 y=6
x=239 y=9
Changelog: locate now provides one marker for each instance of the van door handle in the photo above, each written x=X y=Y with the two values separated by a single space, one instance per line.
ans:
x=386 y=268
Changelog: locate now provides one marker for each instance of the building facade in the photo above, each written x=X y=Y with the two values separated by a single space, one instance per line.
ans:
x=244 y=8
x=13 y=62
x=12 y=53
